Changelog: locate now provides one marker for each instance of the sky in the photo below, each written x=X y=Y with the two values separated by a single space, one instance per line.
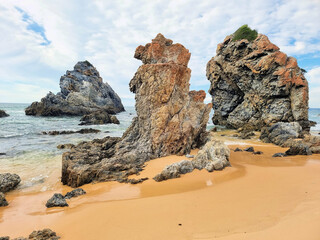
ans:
x=42 y=39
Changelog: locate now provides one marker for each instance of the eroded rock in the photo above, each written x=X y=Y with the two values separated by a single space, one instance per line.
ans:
x=254 y=84
x=8 y=182
x=170 y=120
x=81 y=131
x=213 y=156
x=82 y=92
x=45 y=234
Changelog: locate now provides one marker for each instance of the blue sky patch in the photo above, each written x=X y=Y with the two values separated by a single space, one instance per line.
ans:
x=34 y=26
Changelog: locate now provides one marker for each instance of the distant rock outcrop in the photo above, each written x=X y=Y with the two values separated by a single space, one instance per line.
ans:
x=82 y=92
x=99 y=117
x=170 y=120
x=3 y=114
x=254 y=84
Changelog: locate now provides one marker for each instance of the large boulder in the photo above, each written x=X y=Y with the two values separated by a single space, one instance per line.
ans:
x=170 y=119
x=254 y=84
x=3 y=114
x=82 y=92
x=99 y=117
x=8 y=182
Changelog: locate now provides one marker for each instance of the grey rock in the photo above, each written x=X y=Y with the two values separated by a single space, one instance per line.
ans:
x=20 y=238
x=174 y=170
x=279 y=155
x=4 y=238
x=82 y=91
x=189 y=156
x=213 y=156
x=57 y=200
x=3 y=114
x=254 y=84
x=237 y=150
x=3 y=201
x=99 y=117
x=281 y=133
x=298 y=148
x=8 y=182
x=75 y=193
x=249 y=149
x=257 y=153
x=2 y=154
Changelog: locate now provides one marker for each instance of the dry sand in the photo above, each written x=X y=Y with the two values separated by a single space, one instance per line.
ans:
x=259 y=197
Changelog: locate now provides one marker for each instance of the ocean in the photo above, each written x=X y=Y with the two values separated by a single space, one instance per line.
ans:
x=35 y=157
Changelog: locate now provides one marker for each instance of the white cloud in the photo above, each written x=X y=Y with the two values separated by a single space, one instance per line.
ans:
x=107 y=32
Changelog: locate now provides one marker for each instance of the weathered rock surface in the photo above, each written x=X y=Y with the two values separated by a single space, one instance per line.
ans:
x=66 y=146
x=99 y=117
x=213 y=156
x=8 y=182
x=57 y=200
x=170 y=120
x=82 y=92
x=298 y=148
x=81 y=131
x=281 y=133
x=45 y=234
x=254 y=84
x=74 y=193
x=3 y=114
x=3 y=200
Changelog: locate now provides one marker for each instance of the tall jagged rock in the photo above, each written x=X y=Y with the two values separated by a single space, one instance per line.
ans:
x=254 y=84
x=82 y=92
x=170 y=119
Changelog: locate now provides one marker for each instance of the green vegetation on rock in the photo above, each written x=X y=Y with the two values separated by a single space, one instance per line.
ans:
x=245 y=32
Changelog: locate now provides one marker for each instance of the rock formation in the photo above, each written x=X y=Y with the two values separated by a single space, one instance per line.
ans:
x=100 y=117
x=213 y=156
x=170 y=120
x=81 y=131
x=3 y=200
x=57 y=200
x=82 y=92
x=254 y=84
x=3 y=114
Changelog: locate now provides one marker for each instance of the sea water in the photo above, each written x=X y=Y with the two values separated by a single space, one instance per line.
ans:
x=35 y=157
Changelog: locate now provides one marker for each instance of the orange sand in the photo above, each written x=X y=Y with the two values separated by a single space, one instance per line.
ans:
x=259 y=197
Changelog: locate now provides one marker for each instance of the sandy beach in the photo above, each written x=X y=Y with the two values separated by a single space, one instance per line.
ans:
x=259 y=197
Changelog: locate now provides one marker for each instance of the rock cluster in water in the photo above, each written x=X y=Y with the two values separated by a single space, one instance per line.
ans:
x=170 y=120
x=3 y=114
x=81 y=131
x=82 y=92
x=254 y=84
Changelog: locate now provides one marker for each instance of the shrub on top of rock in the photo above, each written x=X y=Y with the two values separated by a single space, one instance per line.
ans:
x=245 y=32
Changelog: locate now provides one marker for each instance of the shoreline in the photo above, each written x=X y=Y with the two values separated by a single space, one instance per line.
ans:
x=227 y=204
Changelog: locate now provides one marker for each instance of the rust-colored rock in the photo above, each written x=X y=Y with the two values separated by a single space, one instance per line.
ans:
x=255 y=84
x=170 y=119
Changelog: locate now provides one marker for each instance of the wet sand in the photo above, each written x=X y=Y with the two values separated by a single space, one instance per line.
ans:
x=259 y=197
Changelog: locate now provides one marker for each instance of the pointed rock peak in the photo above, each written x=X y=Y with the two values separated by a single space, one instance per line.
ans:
x=161 y=50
